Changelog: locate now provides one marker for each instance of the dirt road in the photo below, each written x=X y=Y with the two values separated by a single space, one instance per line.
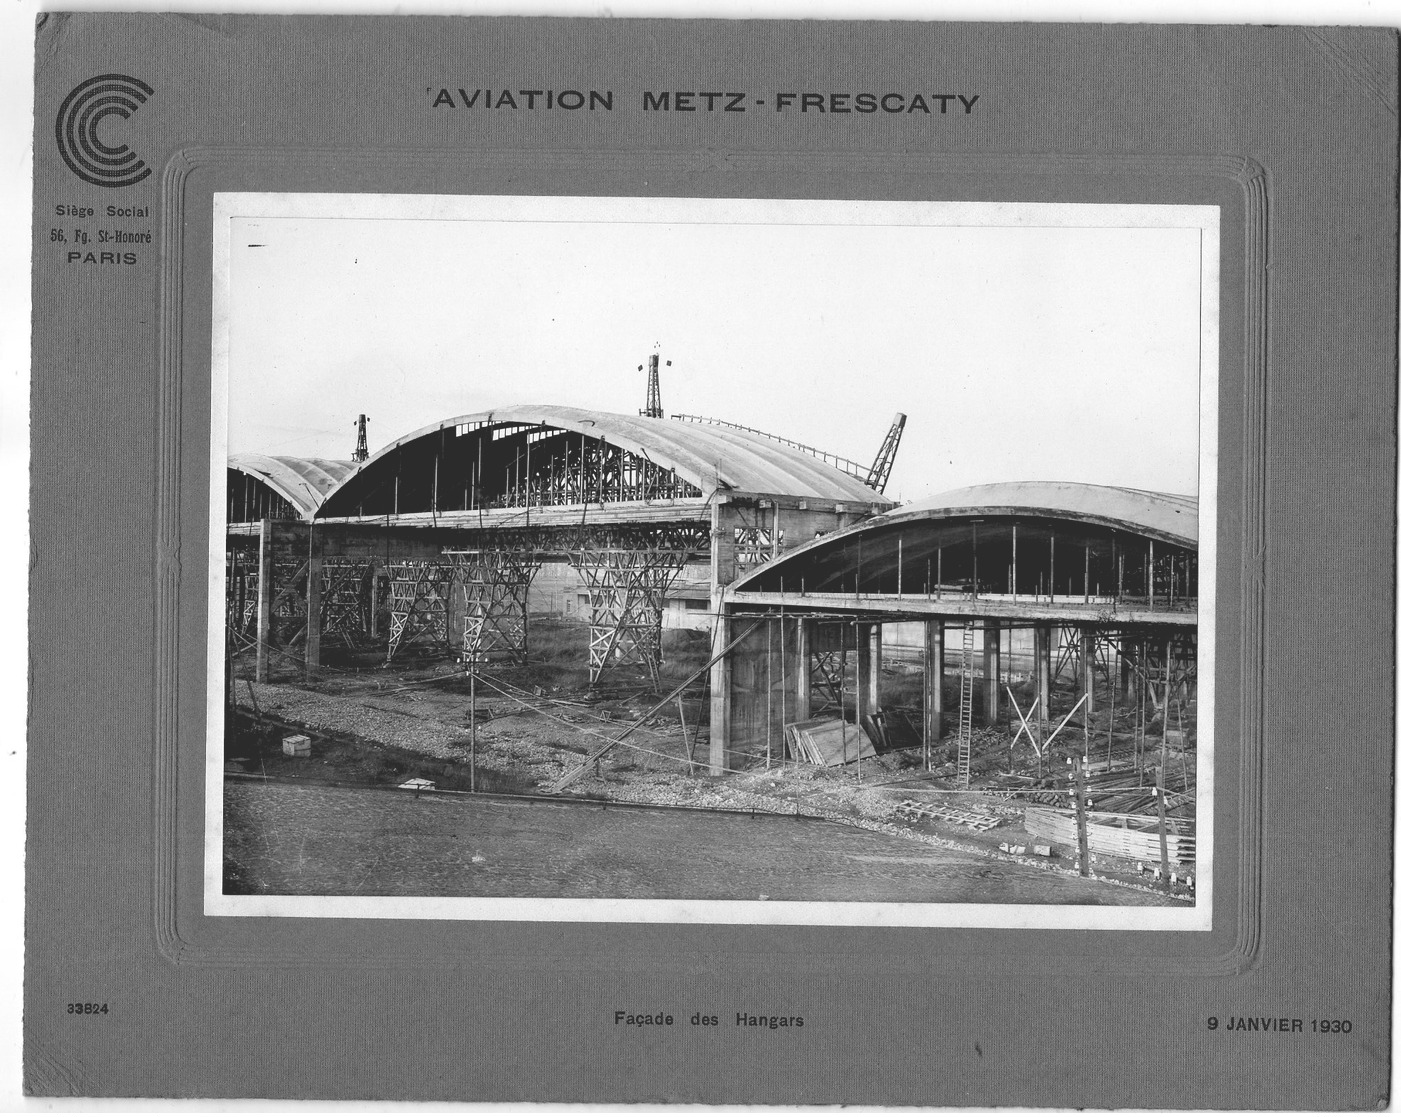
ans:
x=316 y=840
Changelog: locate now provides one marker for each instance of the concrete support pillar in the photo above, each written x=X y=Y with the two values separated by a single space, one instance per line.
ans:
x=771 y=680
x=874 y=655
x=1041 y=671
x=933 y=681
x=267 y=573
x=313 y=603
x=862 y=697
x=992 y=669
x=720 y=697
x=802 y=698
x=723 y=522
x=1087 y=669
x=786 y=653
x=722 y=573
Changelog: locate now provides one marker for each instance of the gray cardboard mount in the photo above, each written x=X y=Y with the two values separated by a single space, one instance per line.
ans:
x=1292 y=132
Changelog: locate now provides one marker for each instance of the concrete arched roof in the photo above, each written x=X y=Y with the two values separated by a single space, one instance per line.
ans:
x=302 y=482
x=713 y=458
x=1164 y=516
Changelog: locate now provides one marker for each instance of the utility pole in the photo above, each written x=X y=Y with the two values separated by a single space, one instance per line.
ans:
x=1082 y=820
x=1161 y=790
x=1160 y=794
x=362 y=448
x=472 y=715
x=1081 y=816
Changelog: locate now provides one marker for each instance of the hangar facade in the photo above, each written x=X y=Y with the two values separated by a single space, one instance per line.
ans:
x=459 y=516
x=1100 y=579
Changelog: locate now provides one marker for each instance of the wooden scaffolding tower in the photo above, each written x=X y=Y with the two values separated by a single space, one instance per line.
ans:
x=495 y=587
x=626 y=589
x=418 y=604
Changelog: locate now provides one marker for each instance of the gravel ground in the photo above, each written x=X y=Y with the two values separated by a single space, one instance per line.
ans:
x=288 y=840
x=538 y=740
x=500 y=746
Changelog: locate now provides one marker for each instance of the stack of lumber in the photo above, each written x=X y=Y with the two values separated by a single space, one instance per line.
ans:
x=1116 y=835
x=828 y=742
x=973 y=819
x=1127 y=792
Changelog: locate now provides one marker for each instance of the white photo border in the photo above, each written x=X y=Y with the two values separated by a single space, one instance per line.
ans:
x=228 y=206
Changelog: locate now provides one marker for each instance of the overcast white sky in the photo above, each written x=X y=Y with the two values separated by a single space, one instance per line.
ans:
x=1019 y=351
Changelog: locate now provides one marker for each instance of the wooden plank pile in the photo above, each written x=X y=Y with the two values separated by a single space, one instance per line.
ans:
x=1116 y=835
x=828 y=742
x=974 y=820
x=1128 y=792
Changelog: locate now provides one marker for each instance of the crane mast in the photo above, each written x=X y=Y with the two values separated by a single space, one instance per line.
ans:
x=362 y=447
x=885 y=458
x=653 y=410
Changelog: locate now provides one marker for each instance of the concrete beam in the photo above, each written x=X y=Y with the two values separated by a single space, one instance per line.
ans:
x=1005 y=609
x=695 y=509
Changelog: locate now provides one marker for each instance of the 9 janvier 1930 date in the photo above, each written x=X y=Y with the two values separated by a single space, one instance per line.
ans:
x=1278 y=1024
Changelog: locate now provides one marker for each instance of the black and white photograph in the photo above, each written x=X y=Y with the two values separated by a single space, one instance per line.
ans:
x=678 y=557
x=696 y=560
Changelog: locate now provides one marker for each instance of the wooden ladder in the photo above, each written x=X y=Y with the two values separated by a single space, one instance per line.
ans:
x=965 y=710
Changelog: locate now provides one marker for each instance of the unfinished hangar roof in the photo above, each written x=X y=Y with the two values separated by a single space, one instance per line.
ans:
x=303 y=482
x=710 y=458
x=1165 y=516
x=970 y=536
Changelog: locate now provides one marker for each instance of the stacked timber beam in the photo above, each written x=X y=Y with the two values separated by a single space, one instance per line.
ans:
x=828 y=742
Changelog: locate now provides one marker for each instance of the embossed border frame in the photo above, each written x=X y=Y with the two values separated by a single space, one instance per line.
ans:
x=184 y=936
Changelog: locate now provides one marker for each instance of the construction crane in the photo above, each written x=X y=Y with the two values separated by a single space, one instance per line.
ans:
x=653 y=410
x=875 y=476
x=885 y=458
x=362 y=448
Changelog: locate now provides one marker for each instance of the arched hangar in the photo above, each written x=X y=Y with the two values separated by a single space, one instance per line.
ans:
x=1011 y=542
x=1102 y=579
x=502 y=462
x=271 y=487
x=468 y=509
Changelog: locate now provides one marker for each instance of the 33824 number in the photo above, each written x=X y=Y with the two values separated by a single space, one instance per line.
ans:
x=87 y=1008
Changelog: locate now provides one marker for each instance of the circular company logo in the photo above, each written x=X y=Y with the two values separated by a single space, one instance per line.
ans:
x=76 y=129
